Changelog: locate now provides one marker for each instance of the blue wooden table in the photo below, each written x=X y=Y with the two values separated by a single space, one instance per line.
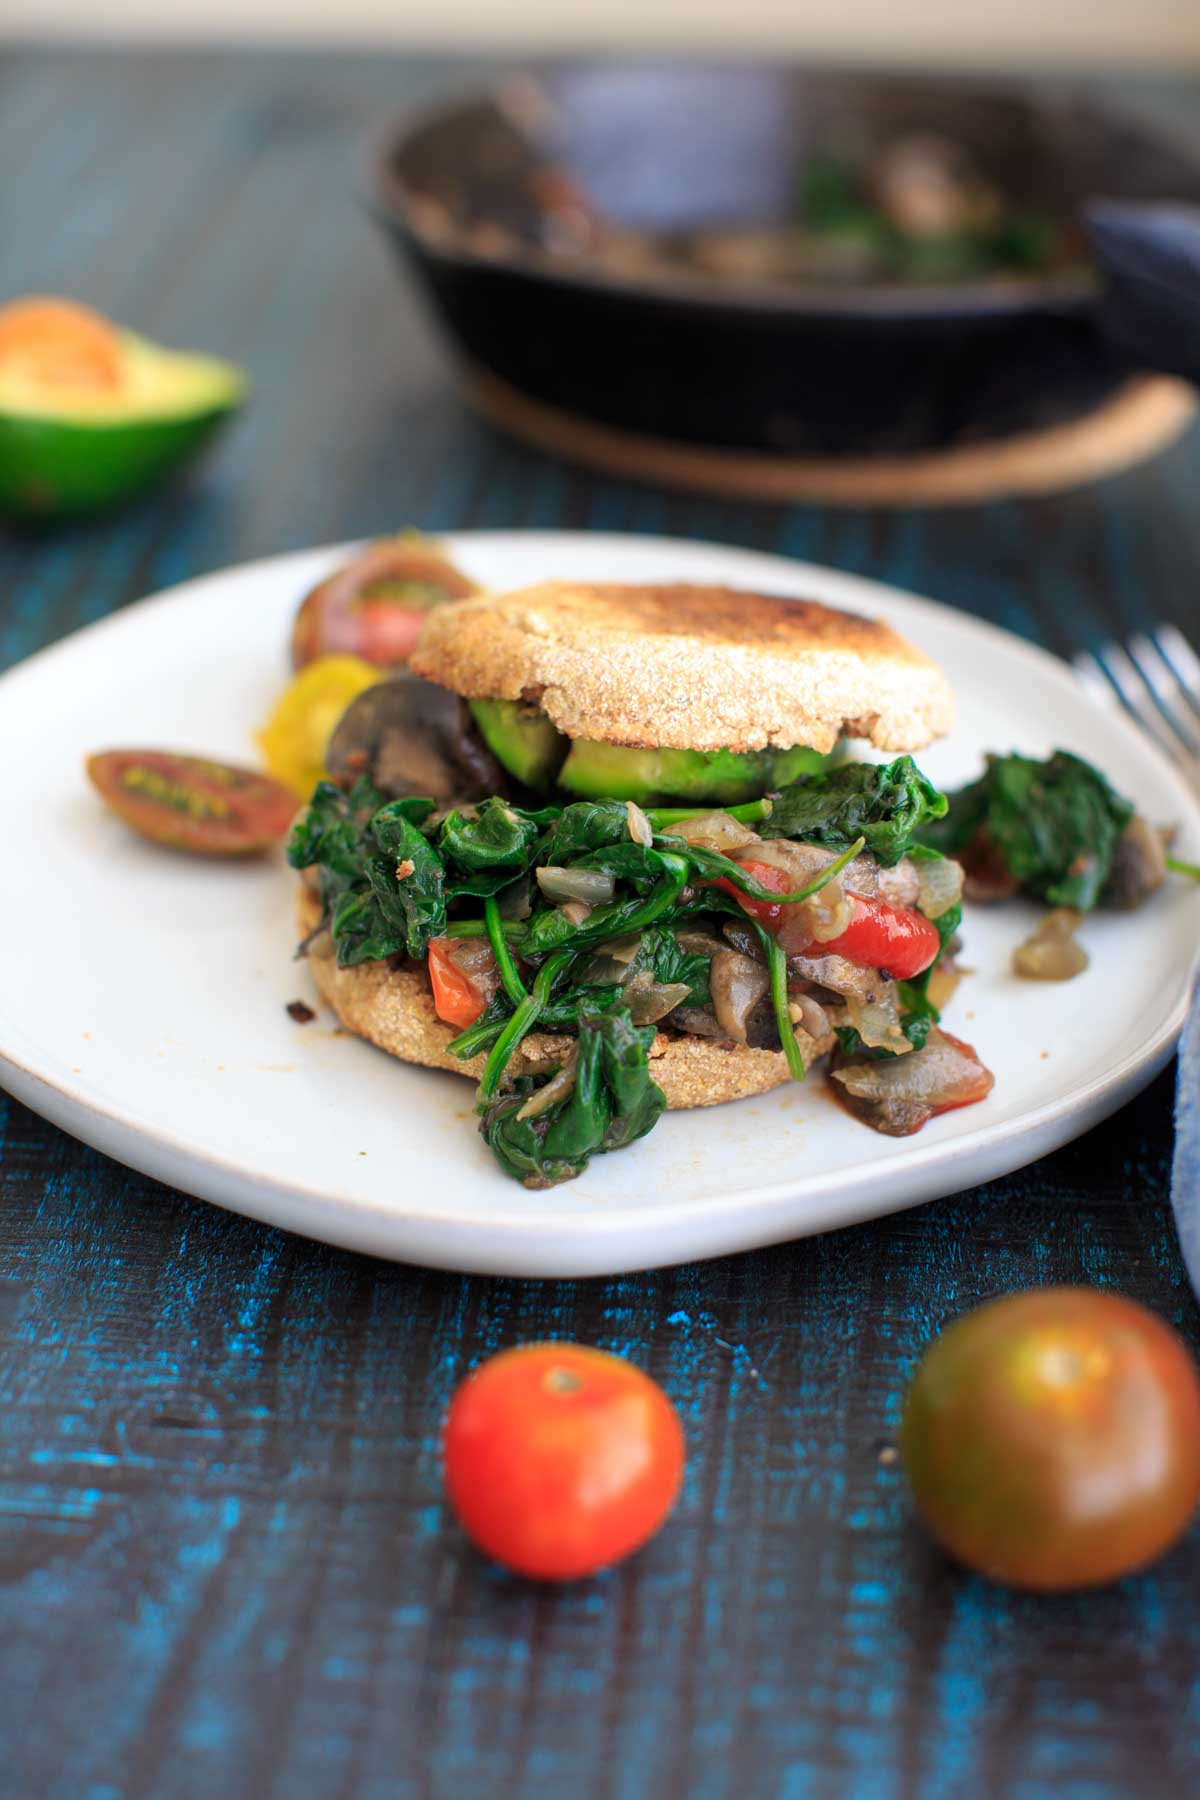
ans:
x=227 y=1569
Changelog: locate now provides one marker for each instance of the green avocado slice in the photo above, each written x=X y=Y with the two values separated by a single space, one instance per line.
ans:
x=522 y=738
x=62 y=459
x=598 y=771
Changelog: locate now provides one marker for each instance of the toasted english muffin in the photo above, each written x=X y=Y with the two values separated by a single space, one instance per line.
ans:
x=689 y=667
x=393 y=1008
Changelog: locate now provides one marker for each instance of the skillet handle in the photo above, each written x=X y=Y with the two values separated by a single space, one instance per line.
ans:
x=1149 y=256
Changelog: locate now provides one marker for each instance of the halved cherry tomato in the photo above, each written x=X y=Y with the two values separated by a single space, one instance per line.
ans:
x=456 y=999
x=374 y=607
x=60 y=344
x=882 y=936
x=560 y=1460
x=1052 y=1438
x=879 y=936
x=191 y=802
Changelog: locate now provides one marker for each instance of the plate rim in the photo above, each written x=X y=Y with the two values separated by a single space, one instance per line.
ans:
x=349 y=1219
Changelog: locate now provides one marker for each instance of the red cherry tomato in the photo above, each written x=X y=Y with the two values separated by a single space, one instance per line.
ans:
x=193 y=803
x=879 y=936
x=560 y=1460
x=1052 y=1438
x=456 y=999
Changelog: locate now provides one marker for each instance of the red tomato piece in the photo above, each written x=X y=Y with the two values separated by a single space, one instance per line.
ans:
x=193 y=803
x=1052 y=1438
x=879 y=936
x=456 y=999
x=560 y=1459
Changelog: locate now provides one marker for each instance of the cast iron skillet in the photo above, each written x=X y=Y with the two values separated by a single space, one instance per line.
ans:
x=797 y=370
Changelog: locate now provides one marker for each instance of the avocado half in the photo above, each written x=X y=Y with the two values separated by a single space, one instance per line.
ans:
x=531 y=748
x=63 y=458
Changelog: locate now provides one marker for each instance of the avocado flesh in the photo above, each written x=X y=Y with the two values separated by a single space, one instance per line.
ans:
x=522 y=738
x=598 y=771
x=64 y=454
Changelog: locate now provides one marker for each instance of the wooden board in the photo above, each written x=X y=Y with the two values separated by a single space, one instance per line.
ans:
x=1143 y=417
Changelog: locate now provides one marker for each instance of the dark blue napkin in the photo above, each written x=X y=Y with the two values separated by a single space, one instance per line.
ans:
x=1185 y=1168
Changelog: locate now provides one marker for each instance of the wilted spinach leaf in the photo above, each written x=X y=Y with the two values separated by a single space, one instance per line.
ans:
x=885 y=803
x=360 y=847
x=499 y=837
x=659 y=951
x=1054 y=825
x=588 y=825
x=614 y=1101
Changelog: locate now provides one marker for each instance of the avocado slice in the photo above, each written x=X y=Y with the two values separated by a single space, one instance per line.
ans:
x=66 y=452
x=723 y=777
x=522 y=738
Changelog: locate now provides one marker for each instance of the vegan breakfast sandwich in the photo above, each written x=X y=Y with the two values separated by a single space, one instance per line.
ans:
x=594 y=851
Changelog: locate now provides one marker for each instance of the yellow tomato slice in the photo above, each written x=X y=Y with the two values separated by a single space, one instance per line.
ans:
x=293 y=739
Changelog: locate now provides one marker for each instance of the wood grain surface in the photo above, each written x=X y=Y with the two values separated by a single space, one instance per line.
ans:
x=225 y=1565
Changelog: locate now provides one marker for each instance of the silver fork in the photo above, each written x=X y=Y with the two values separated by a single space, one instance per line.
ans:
x=1156 y=677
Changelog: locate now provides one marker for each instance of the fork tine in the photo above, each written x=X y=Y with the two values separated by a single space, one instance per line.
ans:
x=1137 y=697
x=1183 y=662
x=1167 y=688
x=1091 y=676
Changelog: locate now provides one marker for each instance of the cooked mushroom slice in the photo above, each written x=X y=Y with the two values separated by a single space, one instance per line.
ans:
x=896 y=1095
x=1052 y=954
x=413 y=737
x=850 y=981
x=737 y=984
x=700 y=1021
x=1139 y=865
x=650 y=1001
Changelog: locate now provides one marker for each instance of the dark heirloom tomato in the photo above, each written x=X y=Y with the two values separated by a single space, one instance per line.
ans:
x=193 y=803
x=560 y=1459
x=1052 y=1438
x=374 y=606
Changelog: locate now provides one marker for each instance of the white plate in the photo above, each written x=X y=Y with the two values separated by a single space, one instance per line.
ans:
x=142 y=995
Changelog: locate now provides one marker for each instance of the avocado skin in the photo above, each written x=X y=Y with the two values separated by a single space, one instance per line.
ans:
x=53 y=469
x=722 y=777
x=522 y=738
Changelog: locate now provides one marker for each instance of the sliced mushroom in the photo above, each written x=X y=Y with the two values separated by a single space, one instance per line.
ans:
x=897 y=1095
x=697 y=1021
x=695 y=942
x=737 y=983
x=849 y=981
x=1139 y=865
x=651 y=1001
x=413 y=737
